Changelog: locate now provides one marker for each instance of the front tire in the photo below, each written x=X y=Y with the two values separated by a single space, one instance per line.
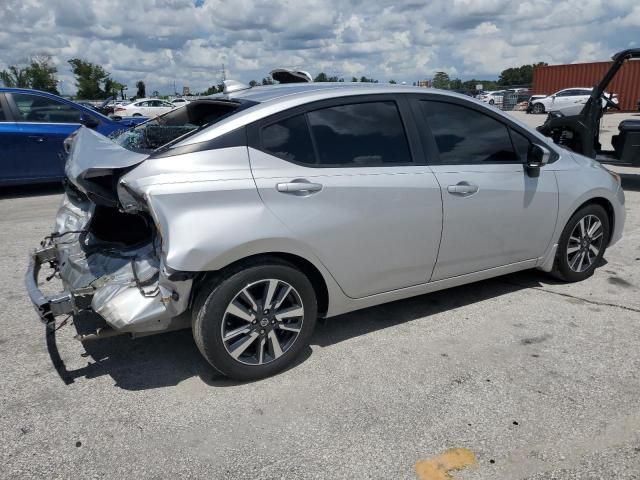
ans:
x=538 y=108
x=255 y=320
x=136 y=115
x=582 y=244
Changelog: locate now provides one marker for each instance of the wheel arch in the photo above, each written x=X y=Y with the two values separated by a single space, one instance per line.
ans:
x=312 y=272
x=608 y=207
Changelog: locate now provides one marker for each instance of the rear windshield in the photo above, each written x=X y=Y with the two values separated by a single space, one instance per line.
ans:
x=177 y=123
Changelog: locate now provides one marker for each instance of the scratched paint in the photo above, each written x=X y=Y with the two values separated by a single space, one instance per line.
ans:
x=438 y=468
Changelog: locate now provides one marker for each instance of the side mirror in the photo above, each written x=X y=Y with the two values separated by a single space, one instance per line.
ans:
x=537 y=156
x=88 y=121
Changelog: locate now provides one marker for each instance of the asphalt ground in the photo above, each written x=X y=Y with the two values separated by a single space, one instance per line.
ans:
x=535 y=379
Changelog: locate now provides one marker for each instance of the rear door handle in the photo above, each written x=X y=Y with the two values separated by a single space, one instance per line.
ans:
x=462 y=189
x=36 y=138
x=299 y=187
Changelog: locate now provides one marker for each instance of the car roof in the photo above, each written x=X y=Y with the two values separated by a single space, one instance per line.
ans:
x=324 y=90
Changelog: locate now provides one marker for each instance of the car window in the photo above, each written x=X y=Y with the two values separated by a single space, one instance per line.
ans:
x=359 y=134
x=34 y=108
x=2 y=117
x=465 y=136
x=290 y=140
x=565 y=93
x=176 y=124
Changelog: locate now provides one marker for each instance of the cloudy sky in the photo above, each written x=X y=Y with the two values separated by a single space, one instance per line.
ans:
x=160 y=41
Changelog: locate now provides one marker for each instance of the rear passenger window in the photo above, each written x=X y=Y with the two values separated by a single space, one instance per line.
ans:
x=290 y=140
x=465 y=136
x=359 y=134
x=2 y=117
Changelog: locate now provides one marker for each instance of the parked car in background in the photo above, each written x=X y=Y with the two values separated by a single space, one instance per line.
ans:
x=144 y=108
x=33 y=126
x=572 y=98
x=180 y=102
x=247 y=216
x=492 y=97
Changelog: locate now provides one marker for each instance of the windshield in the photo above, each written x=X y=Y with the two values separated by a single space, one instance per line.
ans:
x=177 y=123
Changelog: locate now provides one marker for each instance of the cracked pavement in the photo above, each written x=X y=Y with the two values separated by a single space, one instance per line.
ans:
x=538 y=379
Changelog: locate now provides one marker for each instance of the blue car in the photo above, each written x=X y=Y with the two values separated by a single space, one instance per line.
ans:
x=33 y=126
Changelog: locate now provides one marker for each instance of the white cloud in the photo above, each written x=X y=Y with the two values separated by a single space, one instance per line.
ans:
x=160 y=41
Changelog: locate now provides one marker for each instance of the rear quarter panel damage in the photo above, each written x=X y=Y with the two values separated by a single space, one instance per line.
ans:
x=209 y=214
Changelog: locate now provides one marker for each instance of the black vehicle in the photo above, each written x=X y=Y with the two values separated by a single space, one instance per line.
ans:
x=581 y=133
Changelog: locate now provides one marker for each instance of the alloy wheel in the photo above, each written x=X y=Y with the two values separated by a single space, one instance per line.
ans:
x=262 y=322
x=585 y=243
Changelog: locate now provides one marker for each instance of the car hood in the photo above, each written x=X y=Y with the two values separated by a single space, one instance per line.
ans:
x=95 y=163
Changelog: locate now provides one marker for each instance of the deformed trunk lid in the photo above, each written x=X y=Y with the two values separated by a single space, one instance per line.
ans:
x=95 y=162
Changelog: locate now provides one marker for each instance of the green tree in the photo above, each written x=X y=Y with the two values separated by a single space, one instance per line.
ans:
x=155 y=93
x=392 y=81
x=142 y=89
x=267 y=81
x=321 y=77
x=367 y=80
x=113 y=88
x=522 y=75
x=39 y=74
x=455 y=84
x=441 y=80
x=253 y=83
x=354 y=79
x=43 y=74
x=15 y=77
x=89 y=79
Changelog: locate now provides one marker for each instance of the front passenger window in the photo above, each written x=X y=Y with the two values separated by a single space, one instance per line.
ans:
x=466 y=136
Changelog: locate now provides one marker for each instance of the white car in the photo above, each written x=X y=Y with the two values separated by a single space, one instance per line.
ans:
x=180 y=102
x=144 y=108
x=569 y=99
x=492 y=97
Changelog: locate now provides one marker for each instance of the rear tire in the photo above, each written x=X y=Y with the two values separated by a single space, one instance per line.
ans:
x=538 y=108
x=253 y=321
x=136 y=115
x=582 y=244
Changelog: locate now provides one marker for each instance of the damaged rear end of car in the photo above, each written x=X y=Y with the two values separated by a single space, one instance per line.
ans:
x=106 y=247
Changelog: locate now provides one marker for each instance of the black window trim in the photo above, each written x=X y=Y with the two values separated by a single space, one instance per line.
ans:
x=254 y=130
x=429 y=141
x=6 y=109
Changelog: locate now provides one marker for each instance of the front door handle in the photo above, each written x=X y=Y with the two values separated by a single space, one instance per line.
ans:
x=299 y=187
x=462 y=189
x=36 y=138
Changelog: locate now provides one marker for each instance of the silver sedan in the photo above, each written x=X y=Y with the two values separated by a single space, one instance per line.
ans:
x=248 y=215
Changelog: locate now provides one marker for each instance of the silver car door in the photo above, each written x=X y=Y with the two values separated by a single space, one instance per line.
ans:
x=495 y=214
x=342 y=181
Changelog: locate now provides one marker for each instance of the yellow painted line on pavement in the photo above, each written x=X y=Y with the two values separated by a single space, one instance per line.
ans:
x=438 y=468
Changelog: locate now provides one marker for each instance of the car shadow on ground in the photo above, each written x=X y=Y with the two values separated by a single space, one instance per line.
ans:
x=170 y=358
x=37 y=190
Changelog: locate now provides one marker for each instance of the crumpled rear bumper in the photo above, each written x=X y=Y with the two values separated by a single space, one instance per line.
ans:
x=48 y=307
x=128 y=287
